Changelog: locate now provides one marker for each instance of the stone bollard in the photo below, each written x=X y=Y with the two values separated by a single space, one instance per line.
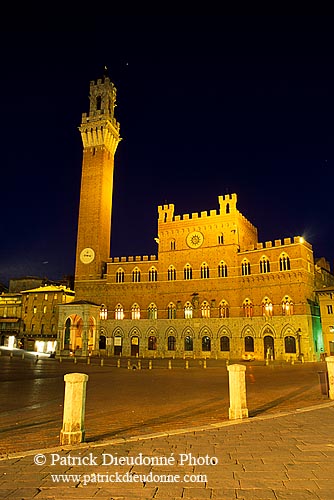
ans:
x=237 y=390
x=88 y=360
x=169 y=365
x=102 y=362
x=11 y=354
x=139 y=365
x=204 y=363
x=129 y=364
x=187 y=365
x=75 y=360
x=150 y=365
x=22 y=356
x=60 y=359
x=330 y=370
x=73 y=431
x=118 y=363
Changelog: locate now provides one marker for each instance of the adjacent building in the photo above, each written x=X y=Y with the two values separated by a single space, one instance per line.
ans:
x=10 y=319
x=326 y=301
x=29 y=319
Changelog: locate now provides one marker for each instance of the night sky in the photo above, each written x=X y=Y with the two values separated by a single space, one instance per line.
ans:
x=208 y=105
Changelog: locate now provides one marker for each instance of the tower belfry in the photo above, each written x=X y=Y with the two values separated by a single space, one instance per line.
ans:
x=100 y=137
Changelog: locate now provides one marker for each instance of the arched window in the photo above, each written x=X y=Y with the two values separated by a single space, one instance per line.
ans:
x=227 y=208
x=224 y=309
x=171 y=343
x=172 y=245
x=284 y=262
x=103 y=312
x=205 y=309
x=206 y=343
x=135 y=311
x=222 y=270
x=153 y=274
x=264 y=265
x=188 y=310
x=120 y=276
x=171 y=311
x=248 y=308
x=249 y=344
x=152 y=311
x=224 y=343
x=119 y=312
x=188 y=343
x=136 y=275
x=290 y=345
x=171 y=273
x=188 y=272
x=267 y=307
x=287 y=306
x=245 y=268
x=221 y=239
x=152 y=343
x=205 y=273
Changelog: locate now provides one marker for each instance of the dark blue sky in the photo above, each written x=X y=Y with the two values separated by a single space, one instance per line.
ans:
x=207 y=105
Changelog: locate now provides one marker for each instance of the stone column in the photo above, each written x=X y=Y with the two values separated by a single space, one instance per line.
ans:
x=330 y=369
x=73 y=431
x=237 y=389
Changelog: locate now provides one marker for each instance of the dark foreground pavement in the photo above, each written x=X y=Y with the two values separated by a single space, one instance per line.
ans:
x=282 y=456
x=165 y=434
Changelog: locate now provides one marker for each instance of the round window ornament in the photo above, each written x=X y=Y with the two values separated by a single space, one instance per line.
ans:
x=195 y=239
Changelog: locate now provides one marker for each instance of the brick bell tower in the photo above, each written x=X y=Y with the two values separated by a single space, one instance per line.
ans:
x=100 y=137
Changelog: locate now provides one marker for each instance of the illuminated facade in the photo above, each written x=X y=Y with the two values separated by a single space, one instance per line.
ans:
x=326 y=301
x=10 y=319
x=40 y=316
x=212 y=290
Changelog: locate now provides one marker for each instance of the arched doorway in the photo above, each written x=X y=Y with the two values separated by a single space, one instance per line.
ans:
x=118 y=345
x=268 y=347
x=73 y=333
x=102 y=342
x=135 y=345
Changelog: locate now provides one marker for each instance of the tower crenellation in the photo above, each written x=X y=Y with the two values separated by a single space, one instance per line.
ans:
x=166 y=213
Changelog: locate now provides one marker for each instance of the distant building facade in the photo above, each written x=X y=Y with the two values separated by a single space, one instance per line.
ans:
x=10 y=319
x=40 y=316
x=29 y=319
x=326 y=301
x=213 y=290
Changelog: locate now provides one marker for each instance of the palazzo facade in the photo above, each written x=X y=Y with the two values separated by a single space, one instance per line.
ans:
x=212 y=290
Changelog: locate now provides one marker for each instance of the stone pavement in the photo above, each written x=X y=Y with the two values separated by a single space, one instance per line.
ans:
x=277 y=456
